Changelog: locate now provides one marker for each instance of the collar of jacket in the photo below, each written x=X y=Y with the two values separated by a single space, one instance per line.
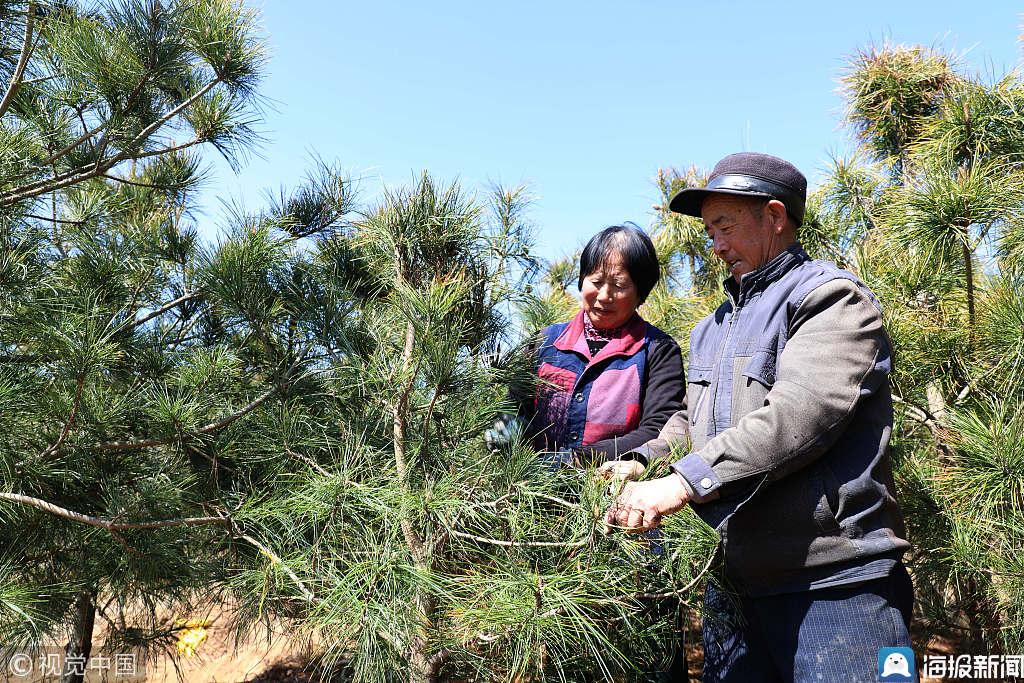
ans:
x=756 y=280
x=634 y=335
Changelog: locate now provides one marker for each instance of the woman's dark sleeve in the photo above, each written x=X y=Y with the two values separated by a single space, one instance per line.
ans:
x=663 y=396
x=521 y=391
x=520 y=398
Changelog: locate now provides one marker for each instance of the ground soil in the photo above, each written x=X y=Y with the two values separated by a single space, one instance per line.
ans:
x=273 y=656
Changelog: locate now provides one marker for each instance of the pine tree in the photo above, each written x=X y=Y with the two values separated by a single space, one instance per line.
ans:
x=942 y=258
x=412 y=549
x=119 y=367
x=292 y=417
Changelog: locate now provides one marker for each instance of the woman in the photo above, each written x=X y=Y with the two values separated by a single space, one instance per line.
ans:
x=608 y=380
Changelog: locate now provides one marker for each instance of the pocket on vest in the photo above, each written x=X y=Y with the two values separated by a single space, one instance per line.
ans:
x=554 y=387
x=753 y=378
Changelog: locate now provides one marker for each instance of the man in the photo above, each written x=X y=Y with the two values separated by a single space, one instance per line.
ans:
x=783 y=438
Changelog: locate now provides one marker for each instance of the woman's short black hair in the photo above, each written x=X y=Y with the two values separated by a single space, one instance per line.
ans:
x=635 y=248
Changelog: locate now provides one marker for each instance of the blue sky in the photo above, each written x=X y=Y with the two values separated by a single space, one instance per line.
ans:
x=582 y=100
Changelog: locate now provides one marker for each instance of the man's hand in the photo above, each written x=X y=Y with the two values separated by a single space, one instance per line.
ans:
x=624 y=470
x=641 y=506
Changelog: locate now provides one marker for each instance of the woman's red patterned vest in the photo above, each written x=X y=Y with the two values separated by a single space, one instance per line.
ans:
x=582 y=399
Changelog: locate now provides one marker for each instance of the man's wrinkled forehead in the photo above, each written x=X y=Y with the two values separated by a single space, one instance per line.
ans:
x=720 y=209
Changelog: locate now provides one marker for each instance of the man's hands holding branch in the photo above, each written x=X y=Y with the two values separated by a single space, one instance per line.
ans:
x=641 y=505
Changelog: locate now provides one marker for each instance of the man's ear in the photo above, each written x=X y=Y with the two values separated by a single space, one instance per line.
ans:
x=776 y=211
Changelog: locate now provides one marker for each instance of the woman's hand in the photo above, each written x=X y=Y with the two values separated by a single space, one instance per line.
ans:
x=623 y=470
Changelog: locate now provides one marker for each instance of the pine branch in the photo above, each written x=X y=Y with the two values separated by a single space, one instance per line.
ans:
x=681 y=592
x=41 y=79
x=206 y=429
x=82 y=173
x=51 y=219
x=402 y=403
x=19 y=70
x=75 y=143
x=307 y=460
x=494 y=503
x=80 y=109
x=70 y=421
x=107 y=524
x=928 y=420
x=307 y=593
x=156 y=125
x=182 y=335
x=163 y=309
x=553 y=499
x=521 y=544
x=136 y=291
x=277 y=561
x=837 y=256
x=968 y=388
x=112 y=526
x=89 y=134
x=169 y=150
x=532 y=494
x=426 y=422
x=134 y=183
x=58 y=182
x=920 y=414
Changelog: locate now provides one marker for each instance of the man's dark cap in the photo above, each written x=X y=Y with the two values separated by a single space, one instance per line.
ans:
x=749 y=174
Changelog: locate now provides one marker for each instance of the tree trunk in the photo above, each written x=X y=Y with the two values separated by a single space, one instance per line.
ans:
x=936 y=401
x=981 y=620
x=79 y=648
x=969 y=271
x=423 y=668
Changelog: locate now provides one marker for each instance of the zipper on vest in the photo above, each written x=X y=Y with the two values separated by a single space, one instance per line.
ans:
x=717 y=375
x=700 y=403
